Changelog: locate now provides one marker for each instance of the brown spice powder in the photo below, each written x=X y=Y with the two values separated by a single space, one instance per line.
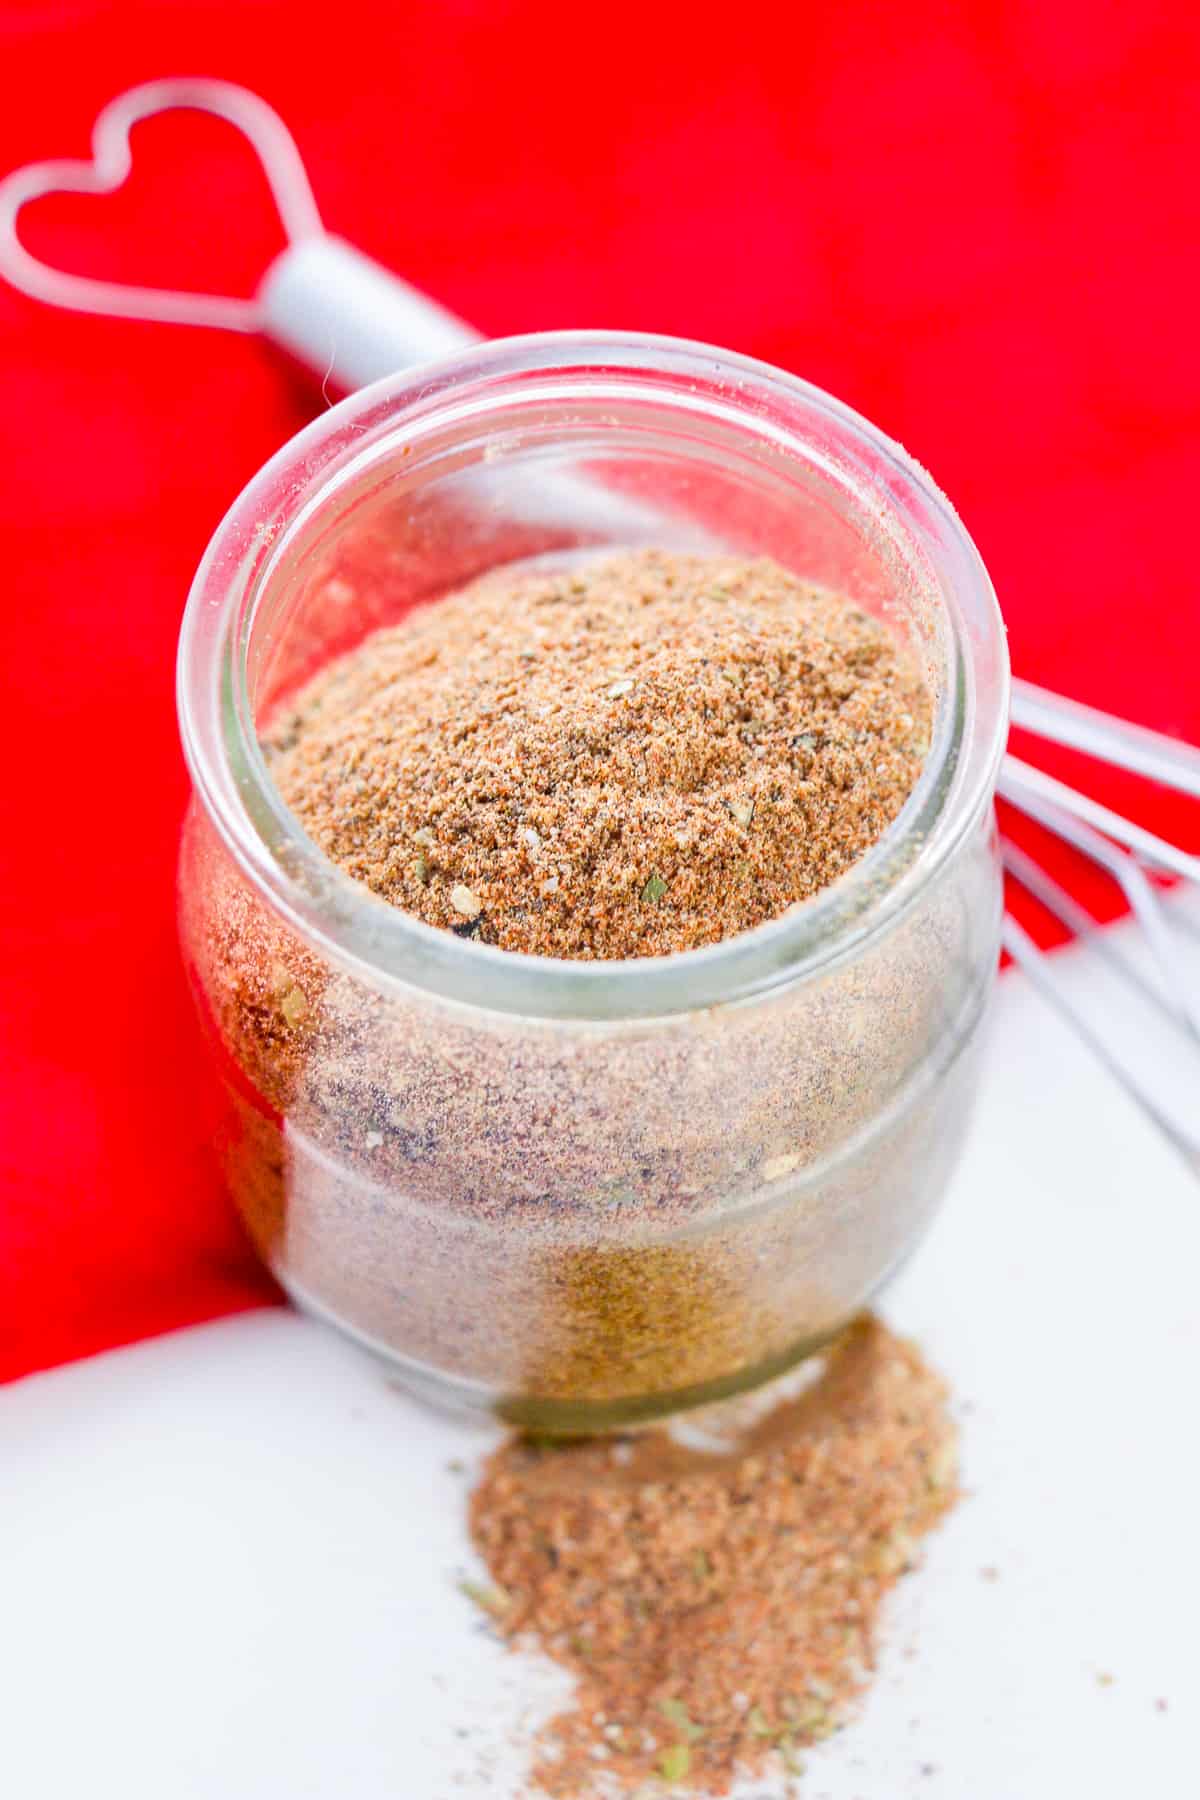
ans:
x=579 y=1224
x=581 y=1227
x=634 y=755
x=718 y=1611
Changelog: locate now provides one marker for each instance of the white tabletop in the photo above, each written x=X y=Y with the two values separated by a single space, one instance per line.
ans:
x=228 y=1558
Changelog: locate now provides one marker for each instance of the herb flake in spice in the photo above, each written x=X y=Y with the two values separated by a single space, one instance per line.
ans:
x=798 y=1525
x=674 y=1763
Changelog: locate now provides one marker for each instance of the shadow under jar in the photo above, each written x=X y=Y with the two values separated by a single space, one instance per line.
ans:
x=582 y=1194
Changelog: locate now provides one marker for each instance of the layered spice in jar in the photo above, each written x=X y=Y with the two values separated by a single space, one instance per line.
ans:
x=630 y=756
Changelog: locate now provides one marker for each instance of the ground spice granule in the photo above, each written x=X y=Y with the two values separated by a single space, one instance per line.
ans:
x=719 y=1611
x=629 y=756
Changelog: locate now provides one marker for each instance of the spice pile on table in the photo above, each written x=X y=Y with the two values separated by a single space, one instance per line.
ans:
x=718 y=1610
x=627 y=756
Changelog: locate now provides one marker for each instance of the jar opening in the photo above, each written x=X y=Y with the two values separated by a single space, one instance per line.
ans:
x=567 y=445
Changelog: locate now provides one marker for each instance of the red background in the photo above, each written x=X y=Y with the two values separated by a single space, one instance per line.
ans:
x=976 y=223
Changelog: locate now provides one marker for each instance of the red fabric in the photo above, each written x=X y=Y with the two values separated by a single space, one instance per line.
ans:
x=975 y=223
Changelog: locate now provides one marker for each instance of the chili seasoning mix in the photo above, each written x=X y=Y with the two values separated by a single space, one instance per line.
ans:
x=632 y=755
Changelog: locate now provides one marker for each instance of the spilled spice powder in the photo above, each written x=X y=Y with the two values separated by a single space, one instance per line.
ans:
x=628 y=756
x=719 y=1610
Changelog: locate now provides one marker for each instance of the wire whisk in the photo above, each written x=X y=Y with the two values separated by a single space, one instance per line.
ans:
x=1130 y=855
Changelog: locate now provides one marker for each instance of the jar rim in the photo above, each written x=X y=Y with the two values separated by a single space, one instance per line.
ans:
x=357 y=928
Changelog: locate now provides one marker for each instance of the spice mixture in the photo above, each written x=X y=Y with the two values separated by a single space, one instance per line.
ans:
x=718 y=1610
x=626 y=757
x=583 y=1224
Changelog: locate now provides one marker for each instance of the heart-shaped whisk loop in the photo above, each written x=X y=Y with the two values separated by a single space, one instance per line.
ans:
x=111 y=161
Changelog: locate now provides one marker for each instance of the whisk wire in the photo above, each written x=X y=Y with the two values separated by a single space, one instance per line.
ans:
x=1042 y=974
x=112 y=159
x=1092 y=828
x=1082 y=926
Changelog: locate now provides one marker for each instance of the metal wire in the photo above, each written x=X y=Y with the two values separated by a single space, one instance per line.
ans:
x=1045 y=978
x=1090 y=828
x=112 y=159
x=1113 y=740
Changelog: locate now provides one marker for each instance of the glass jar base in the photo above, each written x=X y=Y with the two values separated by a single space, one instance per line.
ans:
x=553 y=1416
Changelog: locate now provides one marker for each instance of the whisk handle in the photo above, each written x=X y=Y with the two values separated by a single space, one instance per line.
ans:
x=347 y=318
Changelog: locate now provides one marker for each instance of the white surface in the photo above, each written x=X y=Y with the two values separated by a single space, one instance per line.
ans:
x=228 y=1558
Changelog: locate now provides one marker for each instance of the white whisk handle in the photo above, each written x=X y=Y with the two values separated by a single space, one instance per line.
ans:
x=348 y=319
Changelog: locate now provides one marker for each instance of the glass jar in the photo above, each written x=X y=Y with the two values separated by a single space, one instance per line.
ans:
x=581 y=1194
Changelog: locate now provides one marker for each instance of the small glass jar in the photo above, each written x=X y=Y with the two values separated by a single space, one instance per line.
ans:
x=582 y=1194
